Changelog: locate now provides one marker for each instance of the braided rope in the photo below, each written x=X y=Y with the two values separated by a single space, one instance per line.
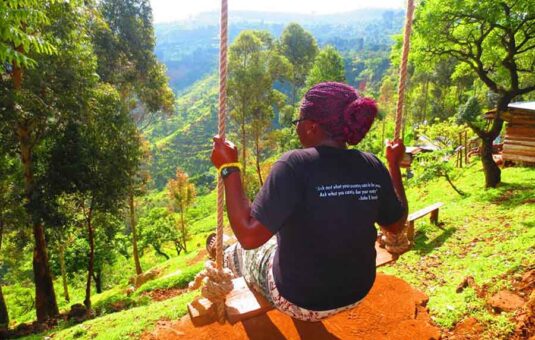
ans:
x=216 y=280
x=221 y=127
x=216 y=284
x=399 y=243
x=395 y=243
x=403 y=67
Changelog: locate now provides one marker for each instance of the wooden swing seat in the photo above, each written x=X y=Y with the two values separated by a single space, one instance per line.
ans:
x=244 y=302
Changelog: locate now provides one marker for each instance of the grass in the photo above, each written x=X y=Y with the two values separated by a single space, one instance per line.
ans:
x=123 y=325
x=178 y=279
x=489 y=235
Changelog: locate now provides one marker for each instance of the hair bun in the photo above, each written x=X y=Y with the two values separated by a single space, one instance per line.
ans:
x=358 y=118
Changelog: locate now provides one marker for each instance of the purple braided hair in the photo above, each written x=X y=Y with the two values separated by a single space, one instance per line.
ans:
x=340 y=111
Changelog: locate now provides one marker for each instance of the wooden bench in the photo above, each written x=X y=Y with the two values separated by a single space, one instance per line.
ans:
x=432 y=209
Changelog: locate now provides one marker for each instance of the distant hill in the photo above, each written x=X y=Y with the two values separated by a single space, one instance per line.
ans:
x=190 y=48
x=190 y=51
x=184 y=139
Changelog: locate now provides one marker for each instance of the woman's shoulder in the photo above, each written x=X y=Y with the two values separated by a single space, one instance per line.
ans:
x=299 y=155
x=370 y=159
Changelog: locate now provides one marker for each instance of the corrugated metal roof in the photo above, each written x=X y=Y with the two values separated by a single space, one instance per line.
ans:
x=529 y=106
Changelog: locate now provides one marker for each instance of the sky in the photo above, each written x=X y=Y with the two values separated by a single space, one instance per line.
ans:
x=171 y=10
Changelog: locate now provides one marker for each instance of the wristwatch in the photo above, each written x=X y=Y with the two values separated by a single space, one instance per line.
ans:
x=225 y=172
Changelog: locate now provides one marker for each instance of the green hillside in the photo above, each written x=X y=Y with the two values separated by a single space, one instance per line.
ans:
x=184 y=139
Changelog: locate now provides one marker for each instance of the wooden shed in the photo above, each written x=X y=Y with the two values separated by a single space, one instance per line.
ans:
x=519 y=141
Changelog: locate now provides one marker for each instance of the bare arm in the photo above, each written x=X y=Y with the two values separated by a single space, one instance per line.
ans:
x=250 y=232
x=394 y=154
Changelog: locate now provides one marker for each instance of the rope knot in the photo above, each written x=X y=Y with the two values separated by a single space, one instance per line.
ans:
x=217 y=283
x=396 y=243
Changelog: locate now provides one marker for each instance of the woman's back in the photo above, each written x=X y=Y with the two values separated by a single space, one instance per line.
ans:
x=323 y=203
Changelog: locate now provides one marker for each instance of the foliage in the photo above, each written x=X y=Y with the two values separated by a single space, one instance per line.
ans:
x=20 y=34
x=156 y=228
x=254 y=66
x=495 y=41
x=444 y=134
x=328 y=66
x=181 y=193
x=430 y=166
x=124 y=43
x=300 y=48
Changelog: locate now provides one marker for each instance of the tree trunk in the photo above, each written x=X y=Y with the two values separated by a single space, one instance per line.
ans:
x=97 y=277
x=178 y=247
x=293 y=92
x=426 y=95
x=183 y=228
x=63 y=272
x=4 y=317
x=258 y=171
x=45 y=297
x=139 y=271
x=448 y=179
x=91 y=264
x=159 y=251
x=492 y=171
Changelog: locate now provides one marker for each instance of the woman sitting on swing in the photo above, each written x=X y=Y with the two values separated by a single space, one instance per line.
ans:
x=321 y=202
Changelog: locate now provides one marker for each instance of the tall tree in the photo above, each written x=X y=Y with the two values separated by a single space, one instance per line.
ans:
x=181 y=194
x=138 y=186
x=300 y=48
x=493 y=39
x=93 y=162
x=38 y=102
x=328 y=66
x=254 y=66
x=124 y=43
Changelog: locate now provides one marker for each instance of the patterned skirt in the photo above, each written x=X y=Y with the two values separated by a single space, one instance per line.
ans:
x=256 y=267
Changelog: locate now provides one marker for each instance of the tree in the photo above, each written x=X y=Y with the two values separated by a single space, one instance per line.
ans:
x=300 y=48
x=493 y=40
x=37 y=102
x=93 y=163
x=254 y=66
x=124 y=44
x=138 y=185
x=328 y=66
x=181 y=193
x=20 y=33
x=156 y=228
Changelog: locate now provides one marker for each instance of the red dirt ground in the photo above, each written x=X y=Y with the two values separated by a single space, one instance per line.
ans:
x=392 y=310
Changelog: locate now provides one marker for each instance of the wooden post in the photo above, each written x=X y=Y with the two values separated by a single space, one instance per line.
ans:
x=465 y=147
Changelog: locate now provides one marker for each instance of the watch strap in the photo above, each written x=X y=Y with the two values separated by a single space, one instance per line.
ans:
x=226 y=171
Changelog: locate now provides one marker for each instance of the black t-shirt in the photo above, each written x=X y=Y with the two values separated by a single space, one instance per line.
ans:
x=322 y=203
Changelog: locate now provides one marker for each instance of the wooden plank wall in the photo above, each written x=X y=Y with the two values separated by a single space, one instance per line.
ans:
x=519 y=143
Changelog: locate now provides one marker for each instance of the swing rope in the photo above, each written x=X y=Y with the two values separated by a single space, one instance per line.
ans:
x=399 y=243
x=403 y=67
x=218 y=280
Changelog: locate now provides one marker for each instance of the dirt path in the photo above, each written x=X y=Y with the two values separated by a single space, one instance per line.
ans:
x=392 y=310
